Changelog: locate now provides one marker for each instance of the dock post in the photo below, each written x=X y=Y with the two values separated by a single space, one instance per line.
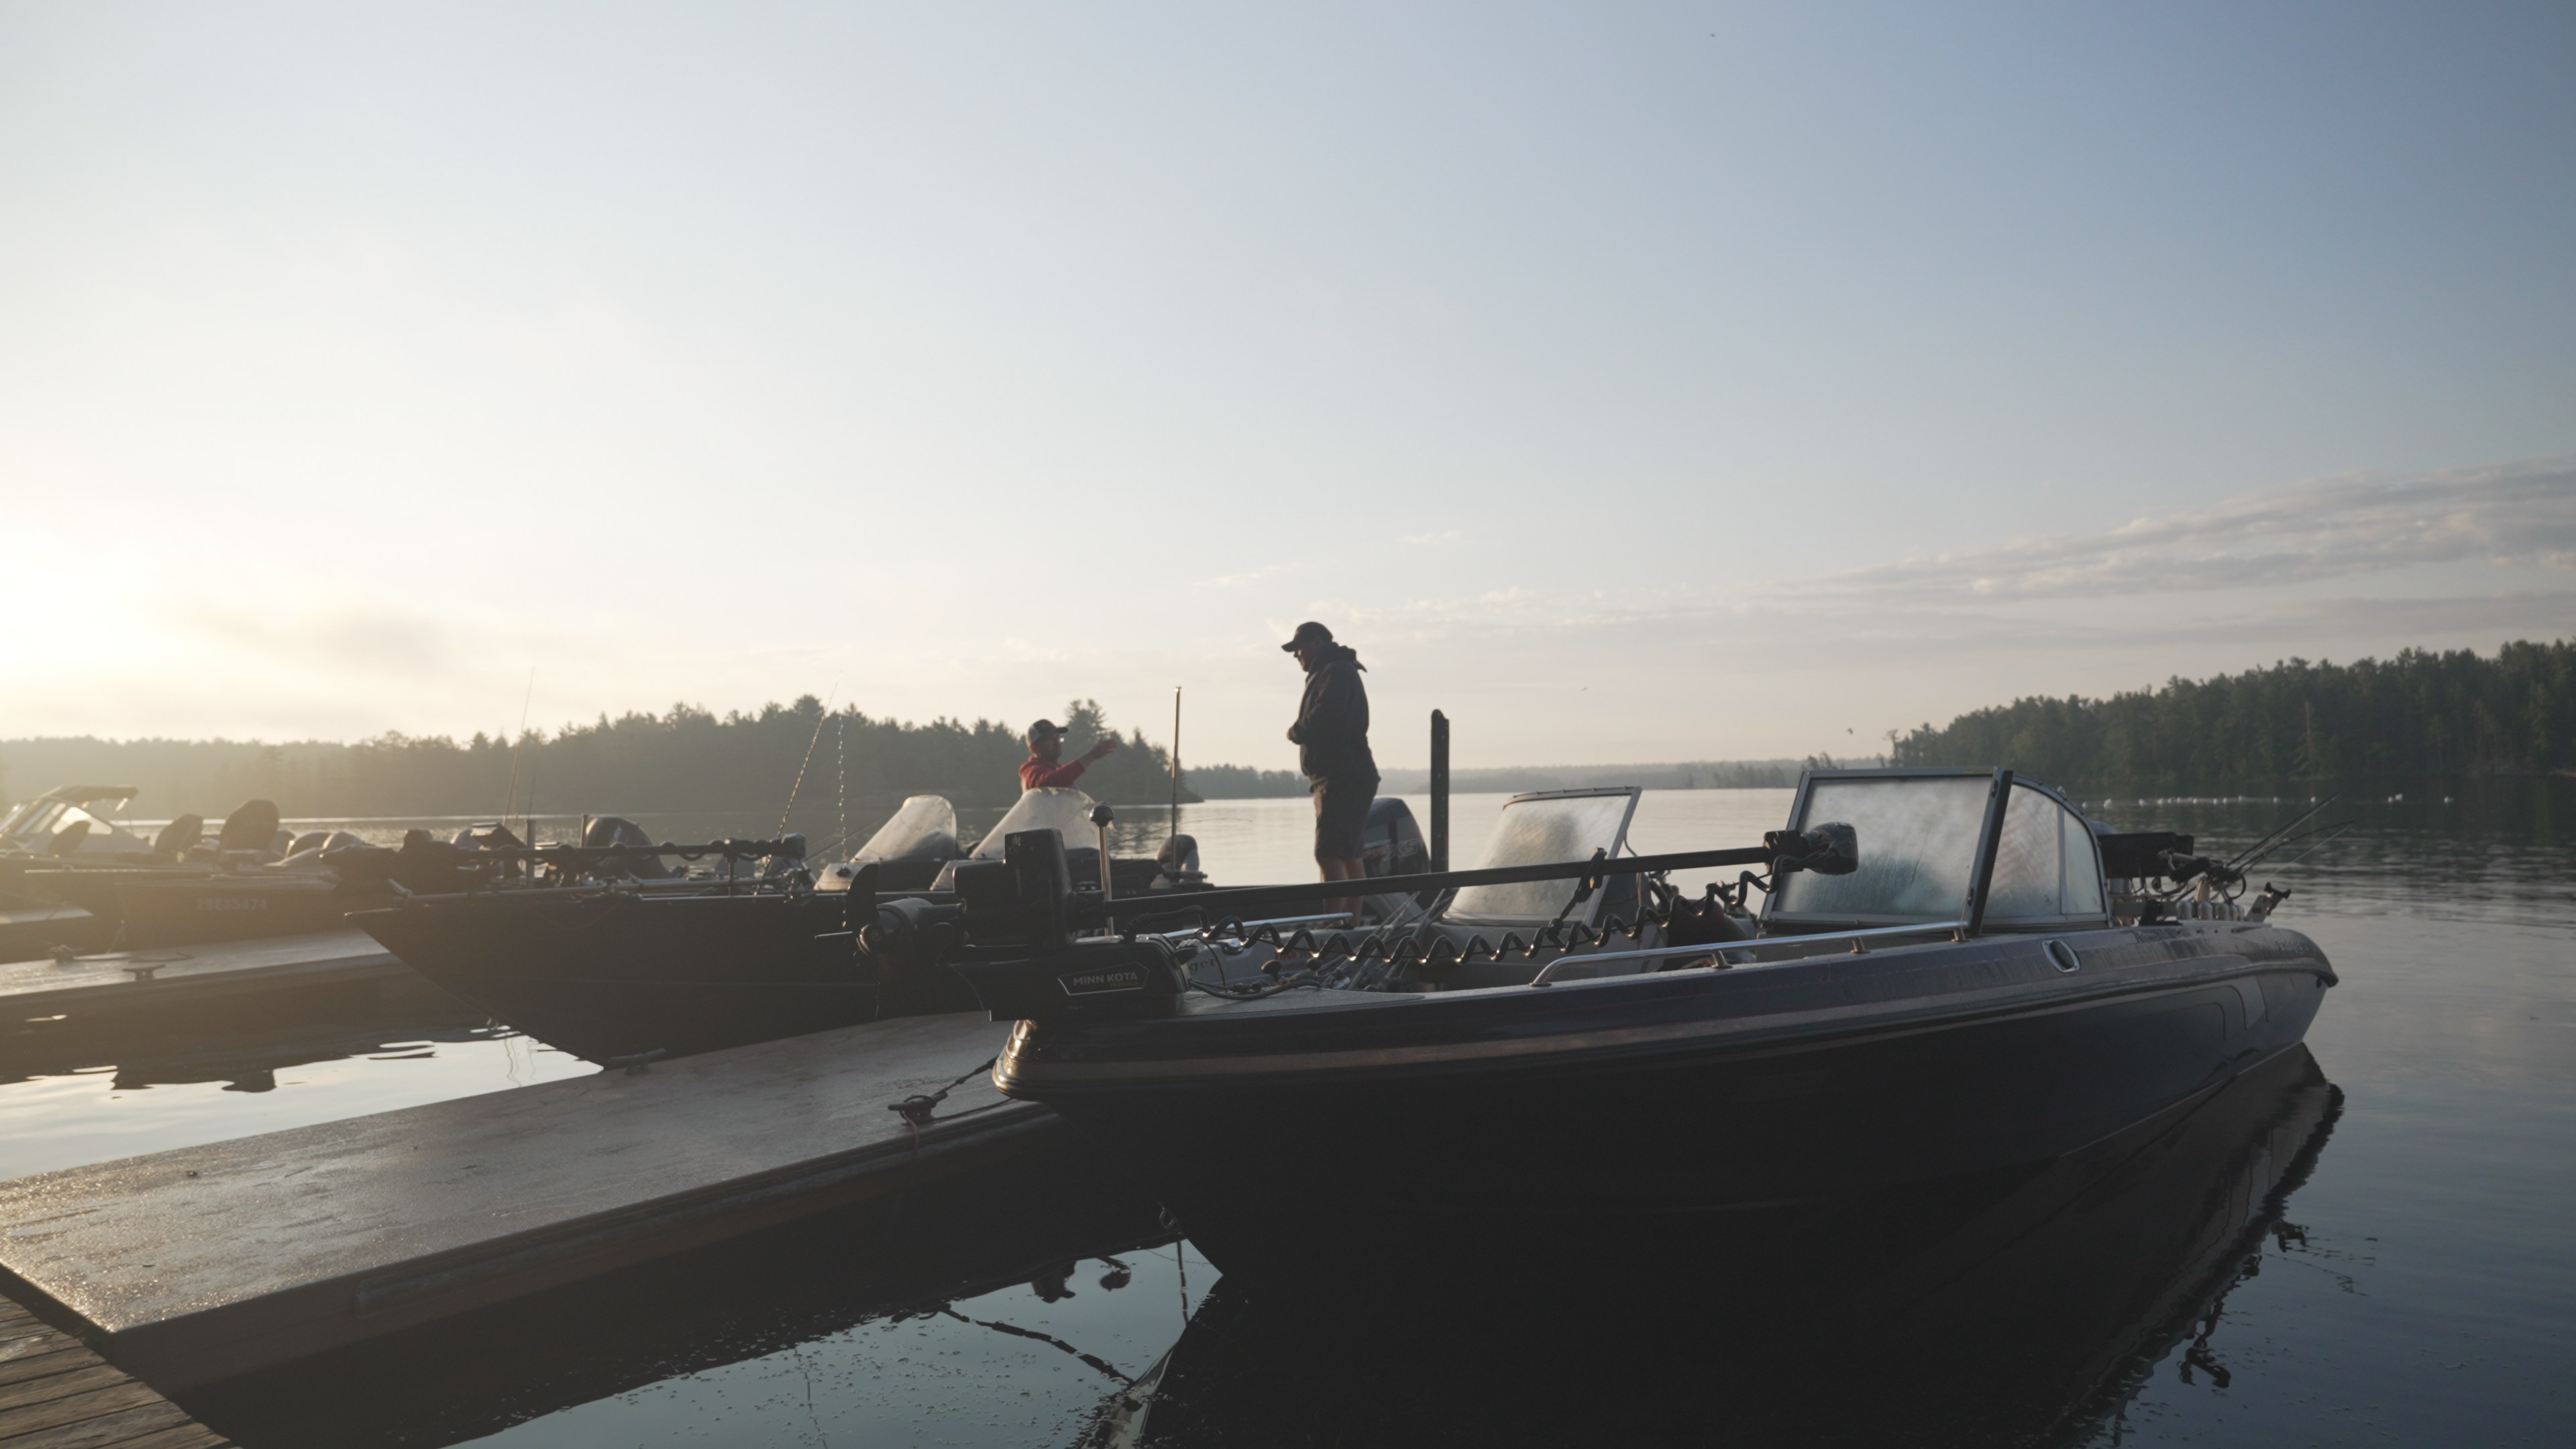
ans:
x=1439 y=791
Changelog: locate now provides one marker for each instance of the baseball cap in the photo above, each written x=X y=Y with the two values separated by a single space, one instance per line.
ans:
x=1044 y=729
x=1309 y=632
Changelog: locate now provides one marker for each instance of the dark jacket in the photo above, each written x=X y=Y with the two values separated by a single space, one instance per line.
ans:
x=1331 y=732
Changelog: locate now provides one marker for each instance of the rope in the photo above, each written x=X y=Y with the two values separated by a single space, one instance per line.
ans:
x=1089 y=1360
x=916 y=1109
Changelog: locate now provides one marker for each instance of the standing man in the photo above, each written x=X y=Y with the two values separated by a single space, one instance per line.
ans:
x=1044 y=768
x=1331 y=735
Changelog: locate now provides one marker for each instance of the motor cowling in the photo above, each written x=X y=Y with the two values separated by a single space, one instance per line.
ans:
x=1086 y=981
x=1023 y=959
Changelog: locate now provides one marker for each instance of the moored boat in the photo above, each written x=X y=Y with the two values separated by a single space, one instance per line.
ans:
x=1944 y=978
x=638 y=962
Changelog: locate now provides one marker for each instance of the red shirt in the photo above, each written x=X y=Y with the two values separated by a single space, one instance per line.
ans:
x=1037 y=774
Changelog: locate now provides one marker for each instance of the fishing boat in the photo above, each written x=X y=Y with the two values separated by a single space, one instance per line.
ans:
x=64 y=854
x=252 y=878
x=1949 y=972
x=621 y=957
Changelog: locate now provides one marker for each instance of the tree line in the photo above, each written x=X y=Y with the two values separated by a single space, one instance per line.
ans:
x=686 y=759
x=2420 y=714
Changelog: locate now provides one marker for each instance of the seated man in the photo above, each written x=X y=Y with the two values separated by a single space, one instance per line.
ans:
x=1042 y=770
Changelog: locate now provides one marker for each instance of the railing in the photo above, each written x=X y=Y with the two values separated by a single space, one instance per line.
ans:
x=1728 y=951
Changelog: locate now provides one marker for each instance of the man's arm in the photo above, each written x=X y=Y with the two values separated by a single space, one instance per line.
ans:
x=1057 y=777
x=1039 y=775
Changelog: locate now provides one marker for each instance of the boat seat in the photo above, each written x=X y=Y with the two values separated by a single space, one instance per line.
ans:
x=253 y=827
x=68 y=840
x=179 y=837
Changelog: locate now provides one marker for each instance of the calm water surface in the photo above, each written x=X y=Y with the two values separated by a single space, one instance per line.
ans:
x=2380 y=1248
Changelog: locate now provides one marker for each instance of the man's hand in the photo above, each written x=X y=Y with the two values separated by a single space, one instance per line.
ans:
x=1108 y=746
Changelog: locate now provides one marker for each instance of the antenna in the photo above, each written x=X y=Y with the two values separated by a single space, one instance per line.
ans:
x=819 y=721
x=1175 y=827
x=510 y=797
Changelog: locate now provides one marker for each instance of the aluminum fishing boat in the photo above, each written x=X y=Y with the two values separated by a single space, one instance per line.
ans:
x=1950 y=972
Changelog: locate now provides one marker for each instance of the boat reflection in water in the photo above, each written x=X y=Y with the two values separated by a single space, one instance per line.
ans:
x=2019 y=1310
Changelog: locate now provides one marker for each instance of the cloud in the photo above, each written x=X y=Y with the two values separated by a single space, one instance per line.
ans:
x=2519 y=515
x=1435 y=540
x=2513 y=522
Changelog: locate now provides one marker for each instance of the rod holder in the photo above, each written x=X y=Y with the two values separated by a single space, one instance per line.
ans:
x=1439 y=791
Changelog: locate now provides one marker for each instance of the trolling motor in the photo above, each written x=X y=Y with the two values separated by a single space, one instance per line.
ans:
x=1022 y=957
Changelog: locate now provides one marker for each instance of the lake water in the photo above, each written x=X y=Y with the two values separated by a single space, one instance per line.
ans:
x=2376 y=1248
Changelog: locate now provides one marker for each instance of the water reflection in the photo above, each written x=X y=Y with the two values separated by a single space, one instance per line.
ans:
x=1029 y=1305
x=2021 y=1312
x=80 y=1090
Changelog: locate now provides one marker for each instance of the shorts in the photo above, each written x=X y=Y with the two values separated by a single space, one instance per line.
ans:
x=1341 y=817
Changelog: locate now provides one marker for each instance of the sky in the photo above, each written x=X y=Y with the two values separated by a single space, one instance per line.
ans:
x=1641 y=382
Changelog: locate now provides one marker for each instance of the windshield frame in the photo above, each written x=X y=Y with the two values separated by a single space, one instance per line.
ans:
x=1982 y=862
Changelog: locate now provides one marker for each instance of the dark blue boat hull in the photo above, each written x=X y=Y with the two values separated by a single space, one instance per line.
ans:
x=1607 y=1105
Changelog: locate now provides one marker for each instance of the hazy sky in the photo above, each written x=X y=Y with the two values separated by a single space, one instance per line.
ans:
x=1636 y=382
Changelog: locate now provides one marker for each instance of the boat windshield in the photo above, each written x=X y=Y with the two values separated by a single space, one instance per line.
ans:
x=34 y=826
x=1918 y=842
x=2047 y=866
x=1067 y=812
x=924 y=829
x=1917 y=837
x=1541 y=829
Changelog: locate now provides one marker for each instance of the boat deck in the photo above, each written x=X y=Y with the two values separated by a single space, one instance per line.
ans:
x=195 y=1265
x=55 y=1394
x=174 y=975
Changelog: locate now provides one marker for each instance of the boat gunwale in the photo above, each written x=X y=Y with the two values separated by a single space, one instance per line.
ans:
x=1764 y=1033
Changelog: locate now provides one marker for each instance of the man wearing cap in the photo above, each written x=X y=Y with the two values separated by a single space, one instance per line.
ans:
x=1045 y=768
x=1331 y=735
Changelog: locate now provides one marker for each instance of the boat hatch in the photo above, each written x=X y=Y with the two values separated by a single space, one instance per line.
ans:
x=1920 y=833
x=1542 y=828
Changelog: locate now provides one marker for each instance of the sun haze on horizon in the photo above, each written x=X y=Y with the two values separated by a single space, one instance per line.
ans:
x=1674 y=382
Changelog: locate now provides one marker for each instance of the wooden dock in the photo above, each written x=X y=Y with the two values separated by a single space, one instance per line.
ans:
x=124 y=981
x=55 y=1394
x=197 y=1265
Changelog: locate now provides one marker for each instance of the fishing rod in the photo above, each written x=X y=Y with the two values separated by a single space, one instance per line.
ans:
x=2322 y=835
x=2255 y=851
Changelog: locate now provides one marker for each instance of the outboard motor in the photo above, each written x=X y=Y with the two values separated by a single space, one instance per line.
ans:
x=1022 y=958
x=1391 y=844
x=1178 y=864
